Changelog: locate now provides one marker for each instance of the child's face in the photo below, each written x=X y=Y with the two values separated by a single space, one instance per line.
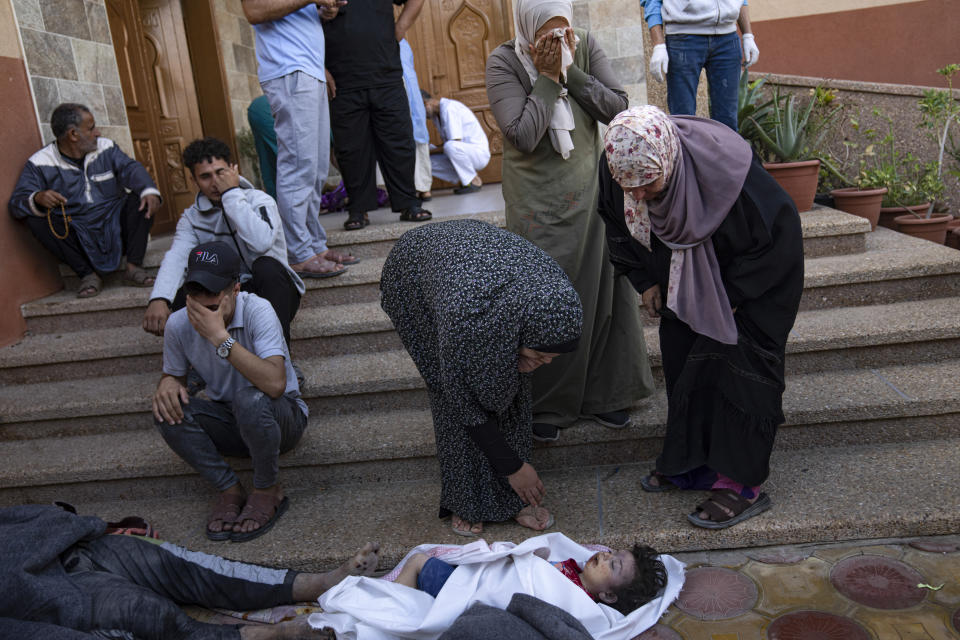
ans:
x=605 y=572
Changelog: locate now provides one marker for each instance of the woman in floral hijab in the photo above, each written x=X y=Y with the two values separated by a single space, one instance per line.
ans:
x=715 y=249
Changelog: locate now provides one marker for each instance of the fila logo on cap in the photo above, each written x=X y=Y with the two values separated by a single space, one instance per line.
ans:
x=207 y=257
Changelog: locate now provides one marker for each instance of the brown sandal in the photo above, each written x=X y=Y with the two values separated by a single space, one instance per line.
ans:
x=90 y=286
x=138 y=278
x=226 y=510
x=741 y=508
x=262 y=508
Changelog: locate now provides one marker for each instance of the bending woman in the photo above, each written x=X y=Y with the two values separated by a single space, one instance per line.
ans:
x=548 y=92
x=478 y=309
x=714 y=246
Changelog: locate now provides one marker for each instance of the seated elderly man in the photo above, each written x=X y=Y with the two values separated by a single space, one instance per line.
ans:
x=87 y=202
x=63 y=577
x=465 y=149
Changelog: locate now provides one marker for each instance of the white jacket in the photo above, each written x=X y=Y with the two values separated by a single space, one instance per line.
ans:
x=700 y=17
x=248 y=220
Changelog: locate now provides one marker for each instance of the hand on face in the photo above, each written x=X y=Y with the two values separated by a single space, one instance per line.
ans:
x=226 y=178
x=546 y=54
x=208 y=322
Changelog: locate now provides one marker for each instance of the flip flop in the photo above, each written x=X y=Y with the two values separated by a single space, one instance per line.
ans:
x=342 y=258
x=255 y=509
x=226 y=509
x=320 y=274
x=665 y=485
x=731 y=500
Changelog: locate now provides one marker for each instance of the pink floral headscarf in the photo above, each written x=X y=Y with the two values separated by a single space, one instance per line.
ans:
x=704 y=165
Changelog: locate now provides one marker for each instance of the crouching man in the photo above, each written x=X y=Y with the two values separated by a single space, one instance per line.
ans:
x=234 y=342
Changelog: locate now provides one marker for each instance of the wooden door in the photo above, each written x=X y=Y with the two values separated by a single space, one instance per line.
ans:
x=159 y=93
x=451 y=41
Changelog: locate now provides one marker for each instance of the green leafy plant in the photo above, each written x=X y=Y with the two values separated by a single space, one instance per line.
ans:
x=752 y=108
x=940 y=110
x=247 y=148
x=909 y=181
x=788 y=133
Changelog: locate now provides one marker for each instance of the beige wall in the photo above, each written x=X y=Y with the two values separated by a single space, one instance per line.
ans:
x=617 y=26
x=240 y=63
x=70 y=58
x=780 y=9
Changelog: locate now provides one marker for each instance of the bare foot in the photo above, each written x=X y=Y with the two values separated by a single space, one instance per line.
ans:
x=536 y=518
x=316 y=266
x=477 y=182
x=459 y=524
x=297 y=629
x=307 y=587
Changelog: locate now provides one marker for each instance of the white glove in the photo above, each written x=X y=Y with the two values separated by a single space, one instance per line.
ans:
x=750 y=52
x=659 y=61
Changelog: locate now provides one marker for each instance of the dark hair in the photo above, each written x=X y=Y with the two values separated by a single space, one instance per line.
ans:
x=65 y=117
x=205 y=150
x=650 y=578
x=425 y=94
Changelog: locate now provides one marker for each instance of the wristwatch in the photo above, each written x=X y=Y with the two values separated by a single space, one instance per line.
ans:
x=224 y=349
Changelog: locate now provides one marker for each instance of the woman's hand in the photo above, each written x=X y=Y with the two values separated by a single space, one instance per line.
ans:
x=526 y=483
x=571 y=39
x=651 y=300
x=546 y=56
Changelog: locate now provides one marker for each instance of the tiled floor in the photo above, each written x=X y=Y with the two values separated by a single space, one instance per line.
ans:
x=889 y=590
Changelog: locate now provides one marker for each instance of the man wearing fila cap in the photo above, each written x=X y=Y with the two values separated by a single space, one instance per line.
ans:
x=234 y=341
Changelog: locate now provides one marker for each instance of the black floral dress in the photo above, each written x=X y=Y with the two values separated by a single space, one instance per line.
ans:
x=464 y=296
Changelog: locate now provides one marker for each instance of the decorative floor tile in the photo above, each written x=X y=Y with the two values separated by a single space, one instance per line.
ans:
x=714 y=593
x=815 y=625
x=927 y=622
x=784 y=588
x=781 y=555
x=659 y=632
x=835 y=554
x=956 y=620
x=938 y=569
x=936 y=546
x=749 y=626
x=878 y=582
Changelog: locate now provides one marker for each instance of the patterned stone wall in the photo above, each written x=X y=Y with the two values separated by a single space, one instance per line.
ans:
x=239 y=58
x=617 y=26
x=70 y=58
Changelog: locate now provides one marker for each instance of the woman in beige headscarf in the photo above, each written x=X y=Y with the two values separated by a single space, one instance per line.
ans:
x=548 y=89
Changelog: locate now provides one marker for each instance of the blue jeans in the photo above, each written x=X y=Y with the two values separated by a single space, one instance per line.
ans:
x=720 y=55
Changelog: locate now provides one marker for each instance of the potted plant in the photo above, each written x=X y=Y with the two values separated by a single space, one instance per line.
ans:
x=857 y=196
x=751 y=108
x=788 y=135
x=939 y=110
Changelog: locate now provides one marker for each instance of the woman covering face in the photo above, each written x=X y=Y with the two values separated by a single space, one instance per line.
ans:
x=715 y=248
x=478 y=309
x=548 y=89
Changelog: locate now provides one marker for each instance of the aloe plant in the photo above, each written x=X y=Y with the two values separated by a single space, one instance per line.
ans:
x=787 y=133
x=751 y=108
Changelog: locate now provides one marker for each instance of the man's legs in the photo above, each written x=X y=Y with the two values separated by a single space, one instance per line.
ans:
x=460 y=162
x=272 y=282
x=68 y=250
x=723 y=77
x=422 y=178
x=353 y=141
x=395 y=149
x=135 y=231
x=688 y=53
x=299 y=104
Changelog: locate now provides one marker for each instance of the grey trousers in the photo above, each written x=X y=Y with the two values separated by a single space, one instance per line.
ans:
x=302 y=122
x=134 y=586
x=253 y=426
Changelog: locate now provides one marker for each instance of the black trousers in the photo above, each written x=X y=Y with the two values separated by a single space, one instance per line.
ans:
x=134 y=231
x=271 y=282
x=371 y=126
x=135 y=585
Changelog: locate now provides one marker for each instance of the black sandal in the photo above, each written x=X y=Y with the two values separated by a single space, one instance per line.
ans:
x=356 y=221
x=741 y=508
x=415 y=214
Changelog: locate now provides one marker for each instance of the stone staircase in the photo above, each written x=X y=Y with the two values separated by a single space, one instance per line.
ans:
x=870 y=448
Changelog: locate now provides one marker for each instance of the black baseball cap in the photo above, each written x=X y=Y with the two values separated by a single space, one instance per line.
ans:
x=213 y=265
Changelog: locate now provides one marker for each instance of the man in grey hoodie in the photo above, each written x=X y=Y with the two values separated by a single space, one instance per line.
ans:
x=227 y=208
x=691 y=35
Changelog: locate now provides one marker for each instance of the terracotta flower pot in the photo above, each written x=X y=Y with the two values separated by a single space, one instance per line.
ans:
x=798 y=179
x=933 y=228
x=953 y=233
x=860 y=202
x=887 y=214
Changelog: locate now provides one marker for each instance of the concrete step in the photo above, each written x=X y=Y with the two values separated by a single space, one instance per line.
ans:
x=906 y=403
x=826 y=232
x=819 y=495
x=821 y=340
